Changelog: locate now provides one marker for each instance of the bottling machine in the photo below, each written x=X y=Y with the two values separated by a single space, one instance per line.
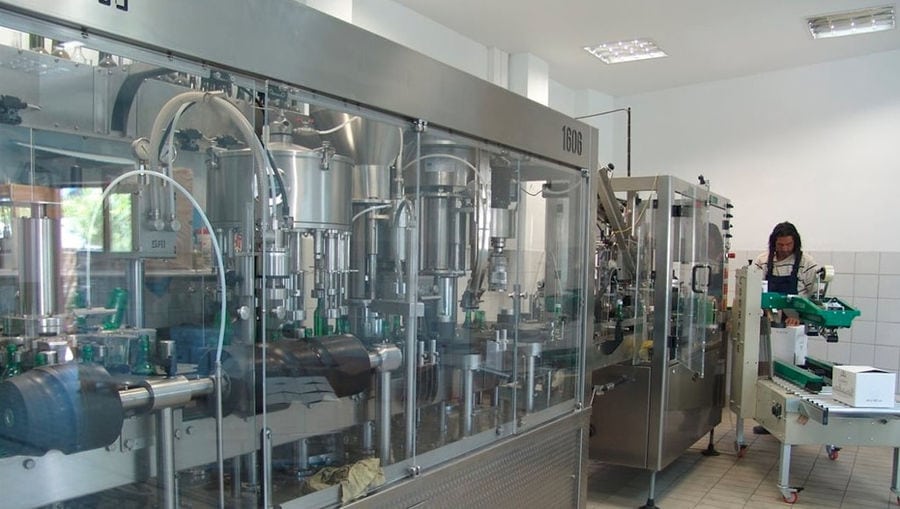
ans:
x=292 y=271
x=658 y=366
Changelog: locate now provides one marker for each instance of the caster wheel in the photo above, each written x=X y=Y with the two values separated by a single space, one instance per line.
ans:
x=898 y=500
x=791 y=499
x=832 y=452
x=833 y=455
x=742 y=451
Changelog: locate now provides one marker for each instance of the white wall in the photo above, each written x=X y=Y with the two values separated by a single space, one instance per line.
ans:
x=816 y=145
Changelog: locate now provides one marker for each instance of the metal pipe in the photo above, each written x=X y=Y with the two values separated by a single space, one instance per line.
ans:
x=529 y=383
x=368 y=429
x=267 y=467
x=165 y=393
x=165 y=439
x=627 y=132
x=250 y=464
x=468 y=400
x=235 y=480
x=303 y=454
x=384 y=416
x=412 y=298
x=372 y=256
x=135 y=287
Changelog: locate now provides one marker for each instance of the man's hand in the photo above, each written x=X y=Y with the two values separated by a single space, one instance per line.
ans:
x=790 y=321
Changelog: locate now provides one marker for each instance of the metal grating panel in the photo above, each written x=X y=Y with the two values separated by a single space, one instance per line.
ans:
x=542 y=468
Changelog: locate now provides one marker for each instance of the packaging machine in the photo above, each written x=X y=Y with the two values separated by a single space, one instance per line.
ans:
x=658 y=362
x=288 y=272
x=796 y=404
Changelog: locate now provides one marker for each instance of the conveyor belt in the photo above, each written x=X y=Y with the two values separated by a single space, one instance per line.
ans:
x=822 y=406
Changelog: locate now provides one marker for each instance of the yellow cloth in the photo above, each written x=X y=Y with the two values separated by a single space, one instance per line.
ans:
x=354 y=479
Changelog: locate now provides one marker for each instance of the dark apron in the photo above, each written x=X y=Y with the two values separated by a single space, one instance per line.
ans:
x=786 y=284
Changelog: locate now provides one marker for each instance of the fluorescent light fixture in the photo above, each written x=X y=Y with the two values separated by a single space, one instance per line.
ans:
x=862 y=21
x=616 y=52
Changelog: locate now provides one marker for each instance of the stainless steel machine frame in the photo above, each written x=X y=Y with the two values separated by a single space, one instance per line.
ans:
x=793 y=415
x=347 y=331
x=659 y=359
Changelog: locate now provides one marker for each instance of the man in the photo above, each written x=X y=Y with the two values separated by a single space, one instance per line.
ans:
x=786 y=268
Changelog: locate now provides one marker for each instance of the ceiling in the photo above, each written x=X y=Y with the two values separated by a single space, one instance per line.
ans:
x=706 y=40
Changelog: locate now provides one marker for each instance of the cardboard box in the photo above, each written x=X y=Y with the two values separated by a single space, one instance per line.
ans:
x=790 y=344
x=864 y=386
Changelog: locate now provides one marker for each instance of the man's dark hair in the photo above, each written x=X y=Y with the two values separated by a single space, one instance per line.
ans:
x=784 y=229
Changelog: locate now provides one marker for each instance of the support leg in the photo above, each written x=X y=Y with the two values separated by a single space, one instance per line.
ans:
x=711 y=448
x=740 y=446
x=236 y=478
x=790 y=494
x=166 y=475
x=650 y=503
x=895 y=474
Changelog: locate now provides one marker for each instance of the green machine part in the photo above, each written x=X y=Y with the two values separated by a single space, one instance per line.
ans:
x=831 y=312
x=820 y=366
x=799 y=376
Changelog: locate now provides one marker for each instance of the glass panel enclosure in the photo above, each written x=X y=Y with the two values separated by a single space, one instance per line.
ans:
x=227 y=288
x=660 y=283
x=690 y=279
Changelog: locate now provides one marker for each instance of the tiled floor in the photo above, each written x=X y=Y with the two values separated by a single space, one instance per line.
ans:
x=859 y=478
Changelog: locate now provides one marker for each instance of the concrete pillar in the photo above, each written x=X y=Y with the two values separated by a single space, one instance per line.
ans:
x=529 y=76
x=498 y=67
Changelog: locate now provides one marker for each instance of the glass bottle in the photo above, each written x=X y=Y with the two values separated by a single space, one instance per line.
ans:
x=118 y=300
x=13 y=361
x=87 y=353
x=142 y=365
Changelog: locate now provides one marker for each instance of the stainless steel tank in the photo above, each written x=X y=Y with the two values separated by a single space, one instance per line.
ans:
x=442 y=183
x=39 y=254
x=317 y=186
x=367 y=142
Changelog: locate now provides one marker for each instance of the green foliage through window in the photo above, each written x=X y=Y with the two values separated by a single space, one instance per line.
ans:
x=79 y=204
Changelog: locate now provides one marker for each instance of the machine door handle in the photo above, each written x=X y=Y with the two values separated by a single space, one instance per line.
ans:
x=694 y=281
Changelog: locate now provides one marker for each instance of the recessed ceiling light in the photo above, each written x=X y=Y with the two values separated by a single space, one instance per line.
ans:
x=873 y=19
x=616 y=52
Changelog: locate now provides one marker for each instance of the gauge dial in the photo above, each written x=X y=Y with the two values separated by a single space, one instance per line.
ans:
x=141 y=149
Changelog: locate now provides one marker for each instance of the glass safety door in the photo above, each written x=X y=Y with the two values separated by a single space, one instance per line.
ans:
x=691 y=307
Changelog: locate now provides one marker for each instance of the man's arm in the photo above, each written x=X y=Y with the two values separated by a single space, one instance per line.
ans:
x=807 y=275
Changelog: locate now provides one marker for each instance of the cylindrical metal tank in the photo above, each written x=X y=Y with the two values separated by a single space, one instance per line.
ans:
x=368 y=142
x=444 y=174
x=38 y=255
x=317 y=186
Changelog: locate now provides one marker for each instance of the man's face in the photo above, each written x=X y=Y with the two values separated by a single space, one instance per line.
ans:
x=784 y=247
